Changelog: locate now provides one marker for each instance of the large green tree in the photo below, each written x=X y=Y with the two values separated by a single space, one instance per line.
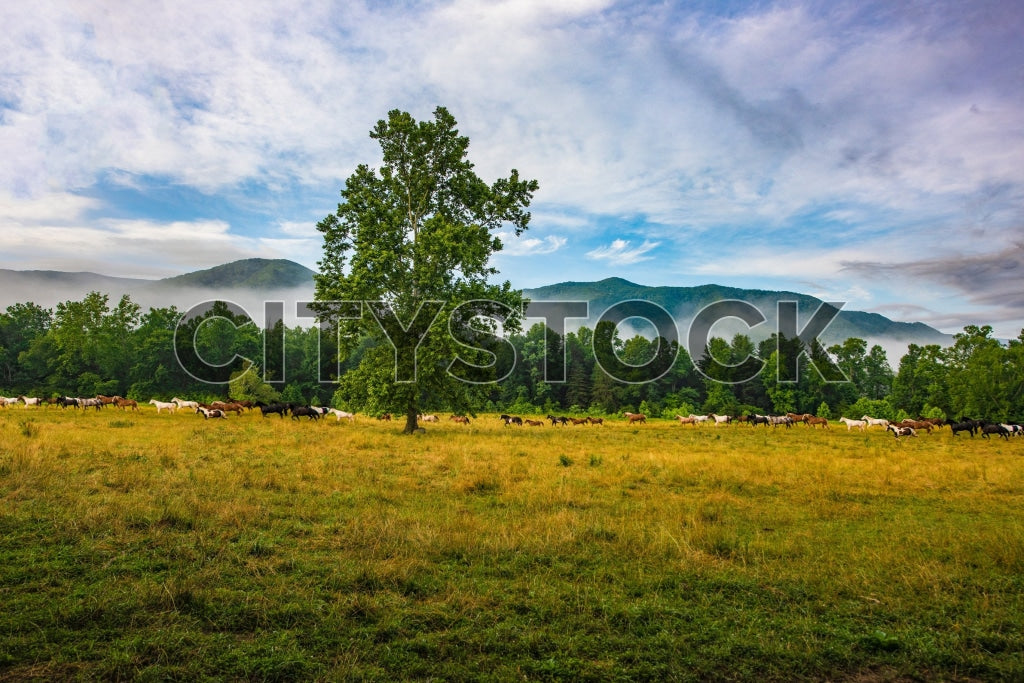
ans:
x=412 y=242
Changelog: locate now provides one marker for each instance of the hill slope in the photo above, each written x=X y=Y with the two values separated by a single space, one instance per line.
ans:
x=250 y=282
x=251 y=273
x=683 y=303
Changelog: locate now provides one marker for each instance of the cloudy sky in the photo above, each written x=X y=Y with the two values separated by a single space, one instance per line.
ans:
x=871 y=153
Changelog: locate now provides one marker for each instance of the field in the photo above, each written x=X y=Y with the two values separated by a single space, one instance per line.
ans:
x=167 y=547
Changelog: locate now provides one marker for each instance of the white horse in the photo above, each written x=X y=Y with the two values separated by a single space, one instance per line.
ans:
x=342 y=414
x=720 y=419
x=875 y=422
x=90 y=403
x=29 y=401
x=164 y=405
x=850 y=424
x=181 y=403
x=698 y=419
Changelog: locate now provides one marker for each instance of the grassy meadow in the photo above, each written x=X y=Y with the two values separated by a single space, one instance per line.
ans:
x=153 y=547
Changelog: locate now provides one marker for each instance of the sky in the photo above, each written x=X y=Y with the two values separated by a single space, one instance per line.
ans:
x=870 y=153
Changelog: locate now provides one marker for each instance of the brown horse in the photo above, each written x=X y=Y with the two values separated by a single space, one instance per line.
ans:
x=123 y=403
x=534 y=423
x=596 y=420
x=227 y=407
x=637 y=417
x=459 y=419
x=811 y=421
x=918 y=425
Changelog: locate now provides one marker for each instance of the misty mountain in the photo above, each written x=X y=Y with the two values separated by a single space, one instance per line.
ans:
x=683 y=303
x=252 y=282
x=253 y=273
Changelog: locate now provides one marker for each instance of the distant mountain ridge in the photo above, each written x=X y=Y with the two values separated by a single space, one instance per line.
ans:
x=250 y=282
x=683 y=303
x=254 y=273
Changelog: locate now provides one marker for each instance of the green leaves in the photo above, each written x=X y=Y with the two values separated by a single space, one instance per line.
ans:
x=418 y=229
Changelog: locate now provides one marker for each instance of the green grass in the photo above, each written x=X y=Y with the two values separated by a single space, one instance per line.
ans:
x=166 y=547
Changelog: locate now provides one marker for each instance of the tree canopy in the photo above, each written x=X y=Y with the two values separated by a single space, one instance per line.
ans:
x=407 y=251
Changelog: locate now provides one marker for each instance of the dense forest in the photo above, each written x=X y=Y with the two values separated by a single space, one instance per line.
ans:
x=91 y=346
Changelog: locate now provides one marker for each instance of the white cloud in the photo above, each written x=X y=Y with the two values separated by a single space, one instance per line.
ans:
x=678 y=121
x=619 y=252
x=529 y=246
x=136 y=248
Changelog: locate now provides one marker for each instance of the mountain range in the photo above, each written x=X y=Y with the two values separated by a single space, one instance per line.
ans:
x=251 y=282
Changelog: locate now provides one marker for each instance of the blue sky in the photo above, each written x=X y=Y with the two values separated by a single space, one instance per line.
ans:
x=871 y=153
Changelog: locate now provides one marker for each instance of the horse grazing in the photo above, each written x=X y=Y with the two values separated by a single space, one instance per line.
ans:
x=637 y=417
x=850 y=424
x=123 y=403
x=163 y=405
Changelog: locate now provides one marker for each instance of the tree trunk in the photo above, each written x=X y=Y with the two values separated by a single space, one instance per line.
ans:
x=411 y=414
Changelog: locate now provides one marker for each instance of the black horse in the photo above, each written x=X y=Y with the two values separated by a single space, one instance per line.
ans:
x=307 y=411
x=280 y=408
x=967 y=426
x=1002 y=431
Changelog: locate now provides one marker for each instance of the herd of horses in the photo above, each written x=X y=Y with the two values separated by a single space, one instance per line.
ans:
x=906 y=427
x=221 y=410
x=214 y=410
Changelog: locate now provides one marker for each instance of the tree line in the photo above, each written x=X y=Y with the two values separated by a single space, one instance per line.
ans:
x=94 y=346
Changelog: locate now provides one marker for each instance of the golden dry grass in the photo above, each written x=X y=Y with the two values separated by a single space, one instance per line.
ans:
x=709 y=552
